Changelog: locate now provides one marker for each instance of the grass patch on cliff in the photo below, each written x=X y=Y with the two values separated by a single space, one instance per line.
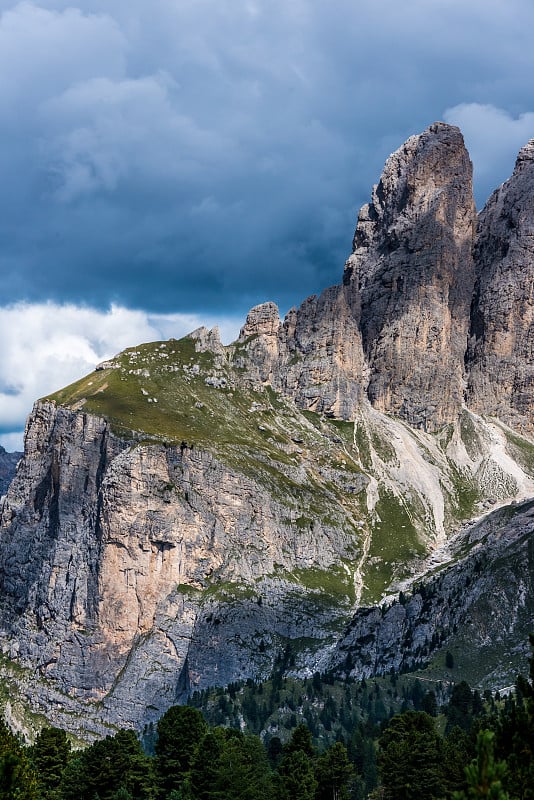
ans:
x=469 y=435
x=170 y=393
x=466 y=493
x=394 y=542
x=345 y=430
x=521 y=450
x=363 y=446
x=229 y=590
x=336 y=583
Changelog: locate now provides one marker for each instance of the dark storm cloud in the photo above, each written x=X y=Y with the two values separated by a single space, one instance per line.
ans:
x=180 y=156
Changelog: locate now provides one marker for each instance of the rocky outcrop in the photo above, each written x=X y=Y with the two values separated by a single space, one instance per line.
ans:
x=396 y=329
x=8 y=465
x=412 y=269
x=324 y=369
x=500 y=358
x=315 y=356
x=481 y=607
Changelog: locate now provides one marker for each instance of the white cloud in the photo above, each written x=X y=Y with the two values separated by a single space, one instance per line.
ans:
x=493 y=137
x=47 y=346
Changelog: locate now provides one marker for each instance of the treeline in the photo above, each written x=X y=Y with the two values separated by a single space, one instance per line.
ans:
x=470 y=747
x=332 y=709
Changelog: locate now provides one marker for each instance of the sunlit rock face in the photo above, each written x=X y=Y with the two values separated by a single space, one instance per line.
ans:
x=500 y=358
x=412 y=268
x=396 y=330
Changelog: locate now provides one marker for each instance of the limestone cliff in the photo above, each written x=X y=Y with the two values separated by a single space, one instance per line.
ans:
x=412 y=269
x=501 y=347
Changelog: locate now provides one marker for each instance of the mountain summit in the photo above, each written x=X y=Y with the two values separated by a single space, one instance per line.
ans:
x=350 y=484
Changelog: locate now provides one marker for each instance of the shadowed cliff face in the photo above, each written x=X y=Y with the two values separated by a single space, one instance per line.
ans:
x=500 y=358
x=8 y=464
x=188 y=509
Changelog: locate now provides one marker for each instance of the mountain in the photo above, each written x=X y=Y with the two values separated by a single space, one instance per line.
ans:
x=353 y=481
x=8 y=464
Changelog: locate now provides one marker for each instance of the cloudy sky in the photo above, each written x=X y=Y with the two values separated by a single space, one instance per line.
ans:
x=167 y=163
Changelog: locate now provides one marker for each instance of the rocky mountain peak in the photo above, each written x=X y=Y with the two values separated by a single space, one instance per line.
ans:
x=411 y=183
x=263 y=319
x=412 y=270
x=525 y=155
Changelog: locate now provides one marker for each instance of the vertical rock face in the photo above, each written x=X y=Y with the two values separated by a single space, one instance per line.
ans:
x=52 y=543
x=8 y=464
x=315 y=356
x=412 y=269
x=501 y=346
x=117 y=557
x=324 y=367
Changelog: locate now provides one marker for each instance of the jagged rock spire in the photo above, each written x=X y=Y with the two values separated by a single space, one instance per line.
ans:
x=412 y=271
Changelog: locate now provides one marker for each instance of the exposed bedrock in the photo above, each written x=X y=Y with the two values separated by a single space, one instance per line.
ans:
x=500 y=358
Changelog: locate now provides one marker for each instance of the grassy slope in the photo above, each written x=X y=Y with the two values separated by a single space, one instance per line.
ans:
x=160 y=392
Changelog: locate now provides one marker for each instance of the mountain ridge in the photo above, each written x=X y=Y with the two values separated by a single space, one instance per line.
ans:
x=188 y=509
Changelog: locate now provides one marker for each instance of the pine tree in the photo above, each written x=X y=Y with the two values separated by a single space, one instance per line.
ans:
x=244 y=772
x=484 y=775
x=515 y=738
x=180 y=731
x=205 y=766
x=410 y=757
x=296 y=777
x=17 y=778
x=334 y=773
x=50 y=755
x=301 y=740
